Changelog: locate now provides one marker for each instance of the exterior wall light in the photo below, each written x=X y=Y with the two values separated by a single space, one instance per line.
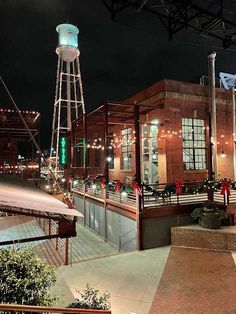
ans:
x=222 y=154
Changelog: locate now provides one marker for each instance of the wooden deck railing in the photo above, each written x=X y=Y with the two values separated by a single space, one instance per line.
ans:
x=12 y=308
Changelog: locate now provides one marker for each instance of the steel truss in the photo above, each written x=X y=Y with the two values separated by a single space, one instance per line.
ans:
x=214 y=19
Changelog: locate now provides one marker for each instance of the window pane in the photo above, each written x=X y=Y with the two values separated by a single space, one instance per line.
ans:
x=126 y=148
x=194 y=143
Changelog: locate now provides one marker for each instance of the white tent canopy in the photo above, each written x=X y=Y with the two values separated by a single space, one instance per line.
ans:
x=16 y=193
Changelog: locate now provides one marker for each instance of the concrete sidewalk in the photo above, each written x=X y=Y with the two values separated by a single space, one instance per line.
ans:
x=131 y=278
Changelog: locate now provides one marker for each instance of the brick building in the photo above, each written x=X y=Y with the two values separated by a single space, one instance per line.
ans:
x=156 y=136
x=15 y=140
x=174 y=135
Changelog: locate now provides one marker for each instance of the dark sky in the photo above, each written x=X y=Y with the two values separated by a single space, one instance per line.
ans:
x=117 y=58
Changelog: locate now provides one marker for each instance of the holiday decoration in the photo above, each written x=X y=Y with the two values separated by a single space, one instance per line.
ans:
x=208 y=184
x=179 y=185
x=225 y=189
x=118 y=186
x=102 y=182
x=136 y=187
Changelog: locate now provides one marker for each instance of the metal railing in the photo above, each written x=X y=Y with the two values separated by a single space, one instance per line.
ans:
x=103 y=195
x=192 y=192
x=12 y=308
x=61 y=245
x=160 y=194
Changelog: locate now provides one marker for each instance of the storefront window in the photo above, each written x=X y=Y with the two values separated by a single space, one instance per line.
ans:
x=150 y=152
x=194 y=144
x=126 y=149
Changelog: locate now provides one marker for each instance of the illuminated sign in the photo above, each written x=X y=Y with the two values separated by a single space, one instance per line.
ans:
x=63 y=151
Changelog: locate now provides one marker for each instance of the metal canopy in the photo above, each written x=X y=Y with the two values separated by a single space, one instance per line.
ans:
x=214 y=19
x=228 y=80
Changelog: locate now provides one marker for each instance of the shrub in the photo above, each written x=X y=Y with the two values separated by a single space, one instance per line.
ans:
x=89 y=299
x=25 y=278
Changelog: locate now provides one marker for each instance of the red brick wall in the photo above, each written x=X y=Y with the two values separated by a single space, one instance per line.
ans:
x=179 y=100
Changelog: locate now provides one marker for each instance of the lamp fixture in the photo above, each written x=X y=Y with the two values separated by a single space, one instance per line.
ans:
x=222 y=154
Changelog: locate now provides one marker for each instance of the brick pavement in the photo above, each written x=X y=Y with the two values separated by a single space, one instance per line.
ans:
x=196 y=281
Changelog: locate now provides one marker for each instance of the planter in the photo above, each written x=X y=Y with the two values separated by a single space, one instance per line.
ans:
x=210 y=221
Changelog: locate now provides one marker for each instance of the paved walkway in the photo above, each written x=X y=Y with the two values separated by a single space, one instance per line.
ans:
x=197 y=281
x=17 y=227
x=131 y=278
x=87 y=245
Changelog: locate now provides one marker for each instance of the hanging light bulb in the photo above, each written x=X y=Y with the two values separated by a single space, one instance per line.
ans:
x=124 y=193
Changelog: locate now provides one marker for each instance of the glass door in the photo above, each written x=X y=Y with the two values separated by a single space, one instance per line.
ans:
x=150 y=152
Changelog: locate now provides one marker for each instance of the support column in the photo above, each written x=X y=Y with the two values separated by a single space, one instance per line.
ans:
x=212 y=107
x=106 y=170
x=85 y=145
x=138 y=178
x=234 y=132
x=209 y=154
x=68 y=91
x=137 y=144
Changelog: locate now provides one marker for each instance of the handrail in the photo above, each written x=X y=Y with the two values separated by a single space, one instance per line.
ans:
x=43 y=309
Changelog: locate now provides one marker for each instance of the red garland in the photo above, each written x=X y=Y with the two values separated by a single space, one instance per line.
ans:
x=136 y=187
x=118 y=186
x=102 y=182
x=225 y=188
x=179 y=186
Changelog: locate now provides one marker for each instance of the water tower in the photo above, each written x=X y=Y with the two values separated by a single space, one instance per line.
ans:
x=69 y=101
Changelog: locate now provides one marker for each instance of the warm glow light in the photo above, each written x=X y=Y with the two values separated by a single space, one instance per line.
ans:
x=94 y=186
x=124 y=193
x=222 y=154
x=109 y=159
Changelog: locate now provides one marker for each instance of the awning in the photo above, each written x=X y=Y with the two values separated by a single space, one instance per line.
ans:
x=17 y=194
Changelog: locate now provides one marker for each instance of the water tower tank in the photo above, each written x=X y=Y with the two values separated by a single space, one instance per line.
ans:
x=67 y=42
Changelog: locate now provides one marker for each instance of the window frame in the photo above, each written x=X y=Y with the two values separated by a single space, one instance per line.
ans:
x=194 y=144
x=126 y=149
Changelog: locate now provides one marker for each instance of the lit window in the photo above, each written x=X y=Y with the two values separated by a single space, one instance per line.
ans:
x=194 y=144
x=126 y=149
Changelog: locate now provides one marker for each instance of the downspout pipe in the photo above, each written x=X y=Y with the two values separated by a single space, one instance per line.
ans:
x=212 y=110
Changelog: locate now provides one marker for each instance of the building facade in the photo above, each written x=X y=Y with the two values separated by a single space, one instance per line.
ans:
x=127 y=159
x=16 y=150
x=174 y=136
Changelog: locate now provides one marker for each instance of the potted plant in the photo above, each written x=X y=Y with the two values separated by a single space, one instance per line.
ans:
x=209 y=215
x=89 y=299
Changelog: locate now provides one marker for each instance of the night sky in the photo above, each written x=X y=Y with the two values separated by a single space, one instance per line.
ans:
x=118 y=58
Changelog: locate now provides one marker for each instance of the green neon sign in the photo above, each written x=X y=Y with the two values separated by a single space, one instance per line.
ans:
x=63 y=151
